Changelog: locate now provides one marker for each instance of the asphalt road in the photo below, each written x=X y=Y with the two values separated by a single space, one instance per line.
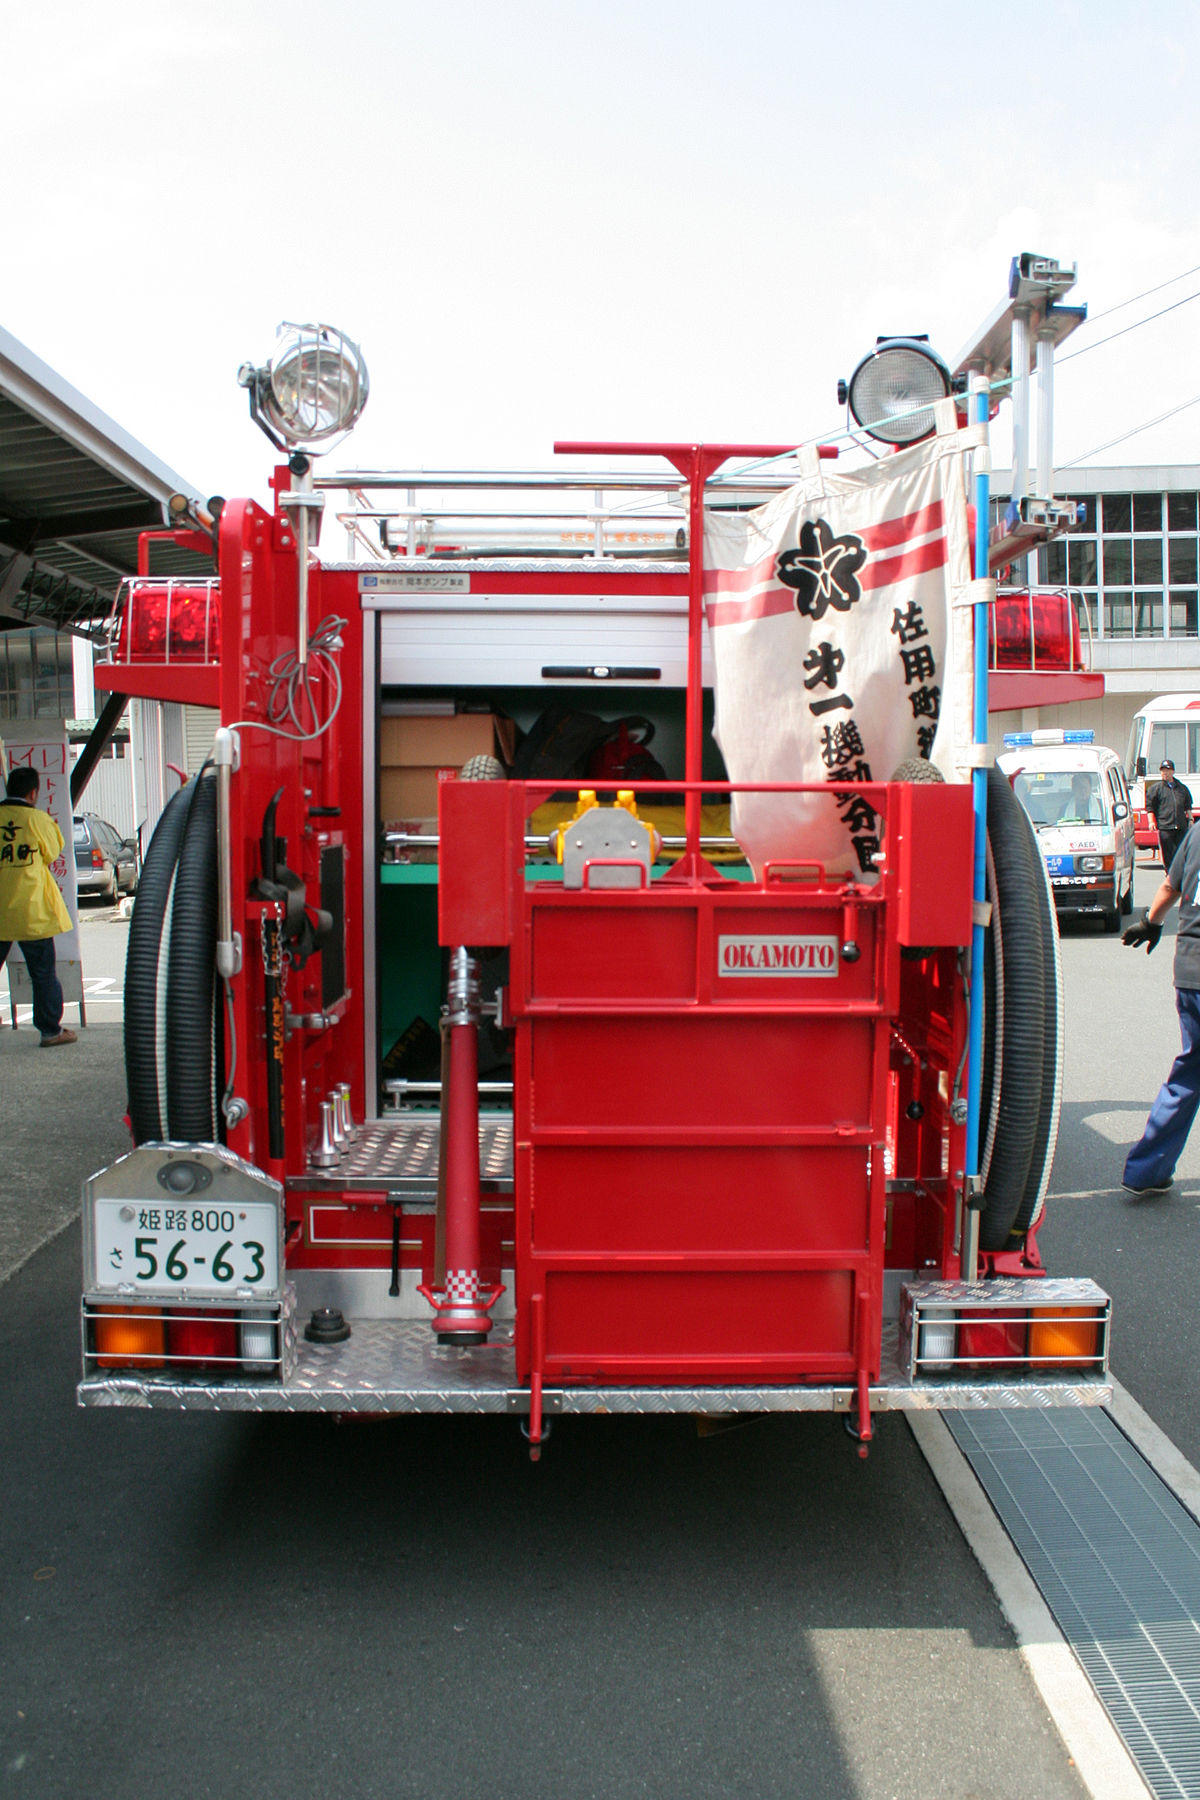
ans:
x=220 y=1605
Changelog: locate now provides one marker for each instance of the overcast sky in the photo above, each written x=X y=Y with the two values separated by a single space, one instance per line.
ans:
x=625 y=219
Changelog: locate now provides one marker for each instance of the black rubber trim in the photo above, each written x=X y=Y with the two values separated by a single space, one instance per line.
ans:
x=1018 y=887
x=145 y=1011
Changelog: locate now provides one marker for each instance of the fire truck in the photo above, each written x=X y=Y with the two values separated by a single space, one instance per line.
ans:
x=489 y=1049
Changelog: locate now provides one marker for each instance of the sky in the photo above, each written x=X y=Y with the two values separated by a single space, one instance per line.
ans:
x=620 y=219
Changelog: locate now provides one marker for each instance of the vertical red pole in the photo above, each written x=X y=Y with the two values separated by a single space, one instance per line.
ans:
x=461 y=1303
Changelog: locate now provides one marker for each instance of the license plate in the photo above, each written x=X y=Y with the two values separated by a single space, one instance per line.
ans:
x=207 y=1250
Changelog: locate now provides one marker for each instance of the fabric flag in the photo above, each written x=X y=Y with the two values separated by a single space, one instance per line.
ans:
x=838 y=649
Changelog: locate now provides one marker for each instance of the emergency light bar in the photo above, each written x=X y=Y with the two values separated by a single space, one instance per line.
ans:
x=1026 y=740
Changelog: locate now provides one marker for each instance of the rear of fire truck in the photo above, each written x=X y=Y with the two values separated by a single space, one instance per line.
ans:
x=483 y=1058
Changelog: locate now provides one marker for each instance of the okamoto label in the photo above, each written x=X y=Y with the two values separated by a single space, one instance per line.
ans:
x=777 y=956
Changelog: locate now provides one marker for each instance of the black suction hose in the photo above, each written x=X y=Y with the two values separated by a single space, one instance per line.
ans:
x=146 y=975
x=1020 y=1057
x=191 y=975
x=1045 y=1136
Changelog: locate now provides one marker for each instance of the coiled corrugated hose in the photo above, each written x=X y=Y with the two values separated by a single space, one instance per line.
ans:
x=171 y=1062
x=1022 y=1110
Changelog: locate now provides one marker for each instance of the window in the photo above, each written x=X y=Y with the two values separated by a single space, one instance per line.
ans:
x=1118 y=512
x=1147 y=561
x=1181 y=512
x=1147 y=614
x=1118 y=561
x=1081 y=562
x=1182 y=557
x=1185 y=616
x=1147 y=512
x=1118 y=614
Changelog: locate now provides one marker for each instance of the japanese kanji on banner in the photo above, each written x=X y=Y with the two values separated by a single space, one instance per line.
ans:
x=838 y=649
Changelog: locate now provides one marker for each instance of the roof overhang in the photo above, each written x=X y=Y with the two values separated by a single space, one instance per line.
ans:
x=75 y=491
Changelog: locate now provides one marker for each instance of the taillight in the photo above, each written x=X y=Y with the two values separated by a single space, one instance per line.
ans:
x=983 y=1338
x=97 y=859
x=204 y=1340
x=1070 y=1336
x=972 y=1329
x=128 y=1340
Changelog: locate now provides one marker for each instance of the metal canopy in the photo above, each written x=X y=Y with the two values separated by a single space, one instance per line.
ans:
x=75 y=490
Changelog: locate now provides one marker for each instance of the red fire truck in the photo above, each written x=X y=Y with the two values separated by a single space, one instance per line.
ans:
x=473 y=1064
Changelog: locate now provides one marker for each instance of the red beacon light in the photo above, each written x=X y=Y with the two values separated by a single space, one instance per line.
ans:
x=170 y=621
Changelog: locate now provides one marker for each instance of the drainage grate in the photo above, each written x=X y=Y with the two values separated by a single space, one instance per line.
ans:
x=1117 y=1559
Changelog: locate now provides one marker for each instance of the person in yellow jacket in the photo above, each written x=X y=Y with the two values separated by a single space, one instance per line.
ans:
x=31 y=907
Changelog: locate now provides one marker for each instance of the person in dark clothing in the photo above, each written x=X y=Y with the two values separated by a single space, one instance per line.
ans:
x=1150 y=1165
x=1169 y=804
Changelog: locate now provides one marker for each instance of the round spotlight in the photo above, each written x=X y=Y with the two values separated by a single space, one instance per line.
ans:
x=314 y=388
x=892 y=391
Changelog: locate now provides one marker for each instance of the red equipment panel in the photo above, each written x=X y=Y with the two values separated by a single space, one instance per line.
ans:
x=702 y=1094
x=700 y=1075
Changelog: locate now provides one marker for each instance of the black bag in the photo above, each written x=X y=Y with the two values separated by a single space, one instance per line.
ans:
x=576 y=745
x=559 y=742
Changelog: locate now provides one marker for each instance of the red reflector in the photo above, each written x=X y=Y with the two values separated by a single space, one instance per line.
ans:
x=982 y=1337
x=203 y=1340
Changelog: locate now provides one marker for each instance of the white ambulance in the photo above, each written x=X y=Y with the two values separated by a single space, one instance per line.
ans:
x=1166 y=726
x=1078 y=800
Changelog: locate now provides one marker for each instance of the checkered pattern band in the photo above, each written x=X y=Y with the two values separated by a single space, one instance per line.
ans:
x=462 y=1286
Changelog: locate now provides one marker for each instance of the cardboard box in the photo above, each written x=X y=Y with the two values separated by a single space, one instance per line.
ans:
x=416 y=752
x=434 y=743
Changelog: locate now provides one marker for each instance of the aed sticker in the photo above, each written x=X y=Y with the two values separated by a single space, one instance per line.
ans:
x=777 y=956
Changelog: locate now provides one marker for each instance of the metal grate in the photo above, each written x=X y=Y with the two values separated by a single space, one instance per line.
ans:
x=1117 y=1559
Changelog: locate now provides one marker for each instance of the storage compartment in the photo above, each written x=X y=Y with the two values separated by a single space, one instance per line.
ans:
x=415 y=751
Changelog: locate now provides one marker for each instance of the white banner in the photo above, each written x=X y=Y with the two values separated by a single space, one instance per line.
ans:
x=838 y=651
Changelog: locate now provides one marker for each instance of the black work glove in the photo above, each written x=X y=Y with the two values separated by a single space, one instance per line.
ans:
x=1142 y=933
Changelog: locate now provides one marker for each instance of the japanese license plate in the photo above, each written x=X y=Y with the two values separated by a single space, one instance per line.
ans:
x=205 y=1250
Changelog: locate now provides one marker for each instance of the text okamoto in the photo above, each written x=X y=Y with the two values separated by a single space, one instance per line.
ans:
x=779 y=956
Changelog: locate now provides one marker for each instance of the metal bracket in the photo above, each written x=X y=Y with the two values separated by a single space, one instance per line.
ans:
x=517 y=1400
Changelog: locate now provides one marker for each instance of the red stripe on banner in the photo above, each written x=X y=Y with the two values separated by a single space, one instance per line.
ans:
x=898 y=568
x=884 y=536
x=895 y=531
x=736 y=581
x=765 y=605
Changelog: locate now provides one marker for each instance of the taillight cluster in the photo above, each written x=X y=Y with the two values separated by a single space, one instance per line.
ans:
x=994 y=1327
x=170 y=621
x=200 y=1341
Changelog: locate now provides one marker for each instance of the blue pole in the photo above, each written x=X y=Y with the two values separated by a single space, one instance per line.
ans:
x=982 y=497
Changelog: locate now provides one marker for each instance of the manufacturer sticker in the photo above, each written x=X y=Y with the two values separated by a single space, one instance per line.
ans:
x=778 y=956
x=414 y=581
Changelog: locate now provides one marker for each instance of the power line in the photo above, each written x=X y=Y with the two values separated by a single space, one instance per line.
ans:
x=1125 y=329
x=1144 y=295
x=1194 y=401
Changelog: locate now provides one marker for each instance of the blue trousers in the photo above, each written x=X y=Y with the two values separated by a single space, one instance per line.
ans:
x=1152 y=1160
x=47 y=989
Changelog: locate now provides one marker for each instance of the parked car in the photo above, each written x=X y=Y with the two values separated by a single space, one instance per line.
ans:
x=105 y=862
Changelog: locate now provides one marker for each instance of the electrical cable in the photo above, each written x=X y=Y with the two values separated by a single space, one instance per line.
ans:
x=1144 y=295
x=1137 y=429
x=290 y=680
x=1126 y=329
